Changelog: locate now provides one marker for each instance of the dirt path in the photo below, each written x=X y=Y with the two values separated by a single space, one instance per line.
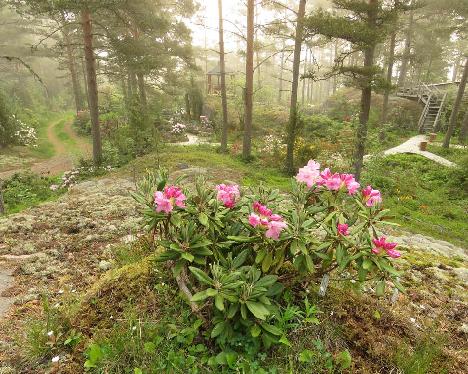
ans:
x=63 y=158
x=82 y=144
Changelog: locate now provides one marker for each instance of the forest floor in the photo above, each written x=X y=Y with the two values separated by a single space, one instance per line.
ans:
x=66 y=147
x=60 y=249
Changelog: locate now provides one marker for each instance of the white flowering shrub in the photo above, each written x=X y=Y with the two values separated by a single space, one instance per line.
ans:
x=24 y=135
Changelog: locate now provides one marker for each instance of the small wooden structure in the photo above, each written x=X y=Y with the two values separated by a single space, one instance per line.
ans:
x=213 y=79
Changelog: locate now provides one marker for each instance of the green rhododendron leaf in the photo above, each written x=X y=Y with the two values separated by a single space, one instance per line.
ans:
x=272 y=329
x=258 y=309
x=219 y=302
x=218 y=329
x=200 y=296
x=284 y=340
x=201 y=275
x=266 y=281
x=260 y=256
x=233 y=308
x=240 y=259
x=188 y=256
x=203 y=218
x=266 y=263
x=242 y=239
x=398 y=285
x=255 y=331
x=211 y=292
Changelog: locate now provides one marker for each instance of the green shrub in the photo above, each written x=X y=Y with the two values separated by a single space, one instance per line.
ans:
x=242 y=264
x=23 y=190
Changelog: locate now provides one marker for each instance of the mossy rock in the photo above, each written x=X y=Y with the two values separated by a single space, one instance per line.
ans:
x=112 y=294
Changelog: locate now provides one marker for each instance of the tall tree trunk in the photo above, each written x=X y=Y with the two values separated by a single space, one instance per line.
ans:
x=292 y=125
x=456 y=106
x=391 y=59
x=334 y=78
x=406 y=51
x=257 y=50
x=249 y=72
x=142 y=89
x=2 y=204
x=456 y=66
x=73 y=73
x=280 y=88
x=85 y=79
x=304 y=70
x=463 y=136
x=366 y=95
x=92 y=84
x=222 y=68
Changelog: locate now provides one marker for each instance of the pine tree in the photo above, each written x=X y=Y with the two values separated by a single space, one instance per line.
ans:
x=365 y=25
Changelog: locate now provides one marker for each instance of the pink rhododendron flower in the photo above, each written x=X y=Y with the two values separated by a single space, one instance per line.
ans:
x=334 y=183
x=324 y=176
x=389 y=248
x=309 y=174
x=343 y=229
x=228 y=194
x=274 y=229
x=167 y=199
x=350 y=183
x=263 y=217
x=261 y=209
x=254 y=219
x=371 y=197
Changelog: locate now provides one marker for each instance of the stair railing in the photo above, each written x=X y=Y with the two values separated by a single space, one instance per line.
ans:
x=422 y=119
x=439 y=112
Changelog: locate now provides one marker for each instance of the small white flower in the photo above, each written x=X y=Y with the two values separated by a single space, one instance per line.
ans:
x=50 y=333
x=56 y=359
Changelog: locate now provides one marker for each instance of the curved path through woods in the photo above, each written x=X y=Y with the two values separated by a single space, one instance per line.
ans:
x=65 y=152
x=412 y=146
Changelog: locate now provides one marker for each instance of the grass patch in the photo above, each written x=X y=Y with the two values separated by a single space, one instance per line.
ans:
x=221 y=167
x=424 y=197
x=452 y=154
x=25 y=190
x=426 y=357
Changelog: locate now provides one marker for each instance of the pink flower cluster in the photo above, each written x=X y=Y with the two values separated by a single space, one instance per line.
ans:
x=371 y=196
x=311 y=175
x=264 y=217
x=389 y=248
x=343 y=229
x=228 y=194
x=167 y=199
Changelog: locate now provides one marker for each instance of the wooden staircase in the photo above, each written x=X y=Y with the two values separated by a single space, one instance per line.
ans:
x=432 y=97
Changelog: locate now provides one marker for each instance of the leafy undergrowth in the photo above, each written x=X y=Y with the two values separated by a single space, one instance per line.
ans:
x=133 y=320
x=453 y=154
x=25 y=190
x=424 y=196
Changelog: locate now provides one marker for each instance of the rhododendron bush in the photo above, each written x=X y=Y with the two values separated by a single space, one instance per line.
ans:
x=234 y=251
